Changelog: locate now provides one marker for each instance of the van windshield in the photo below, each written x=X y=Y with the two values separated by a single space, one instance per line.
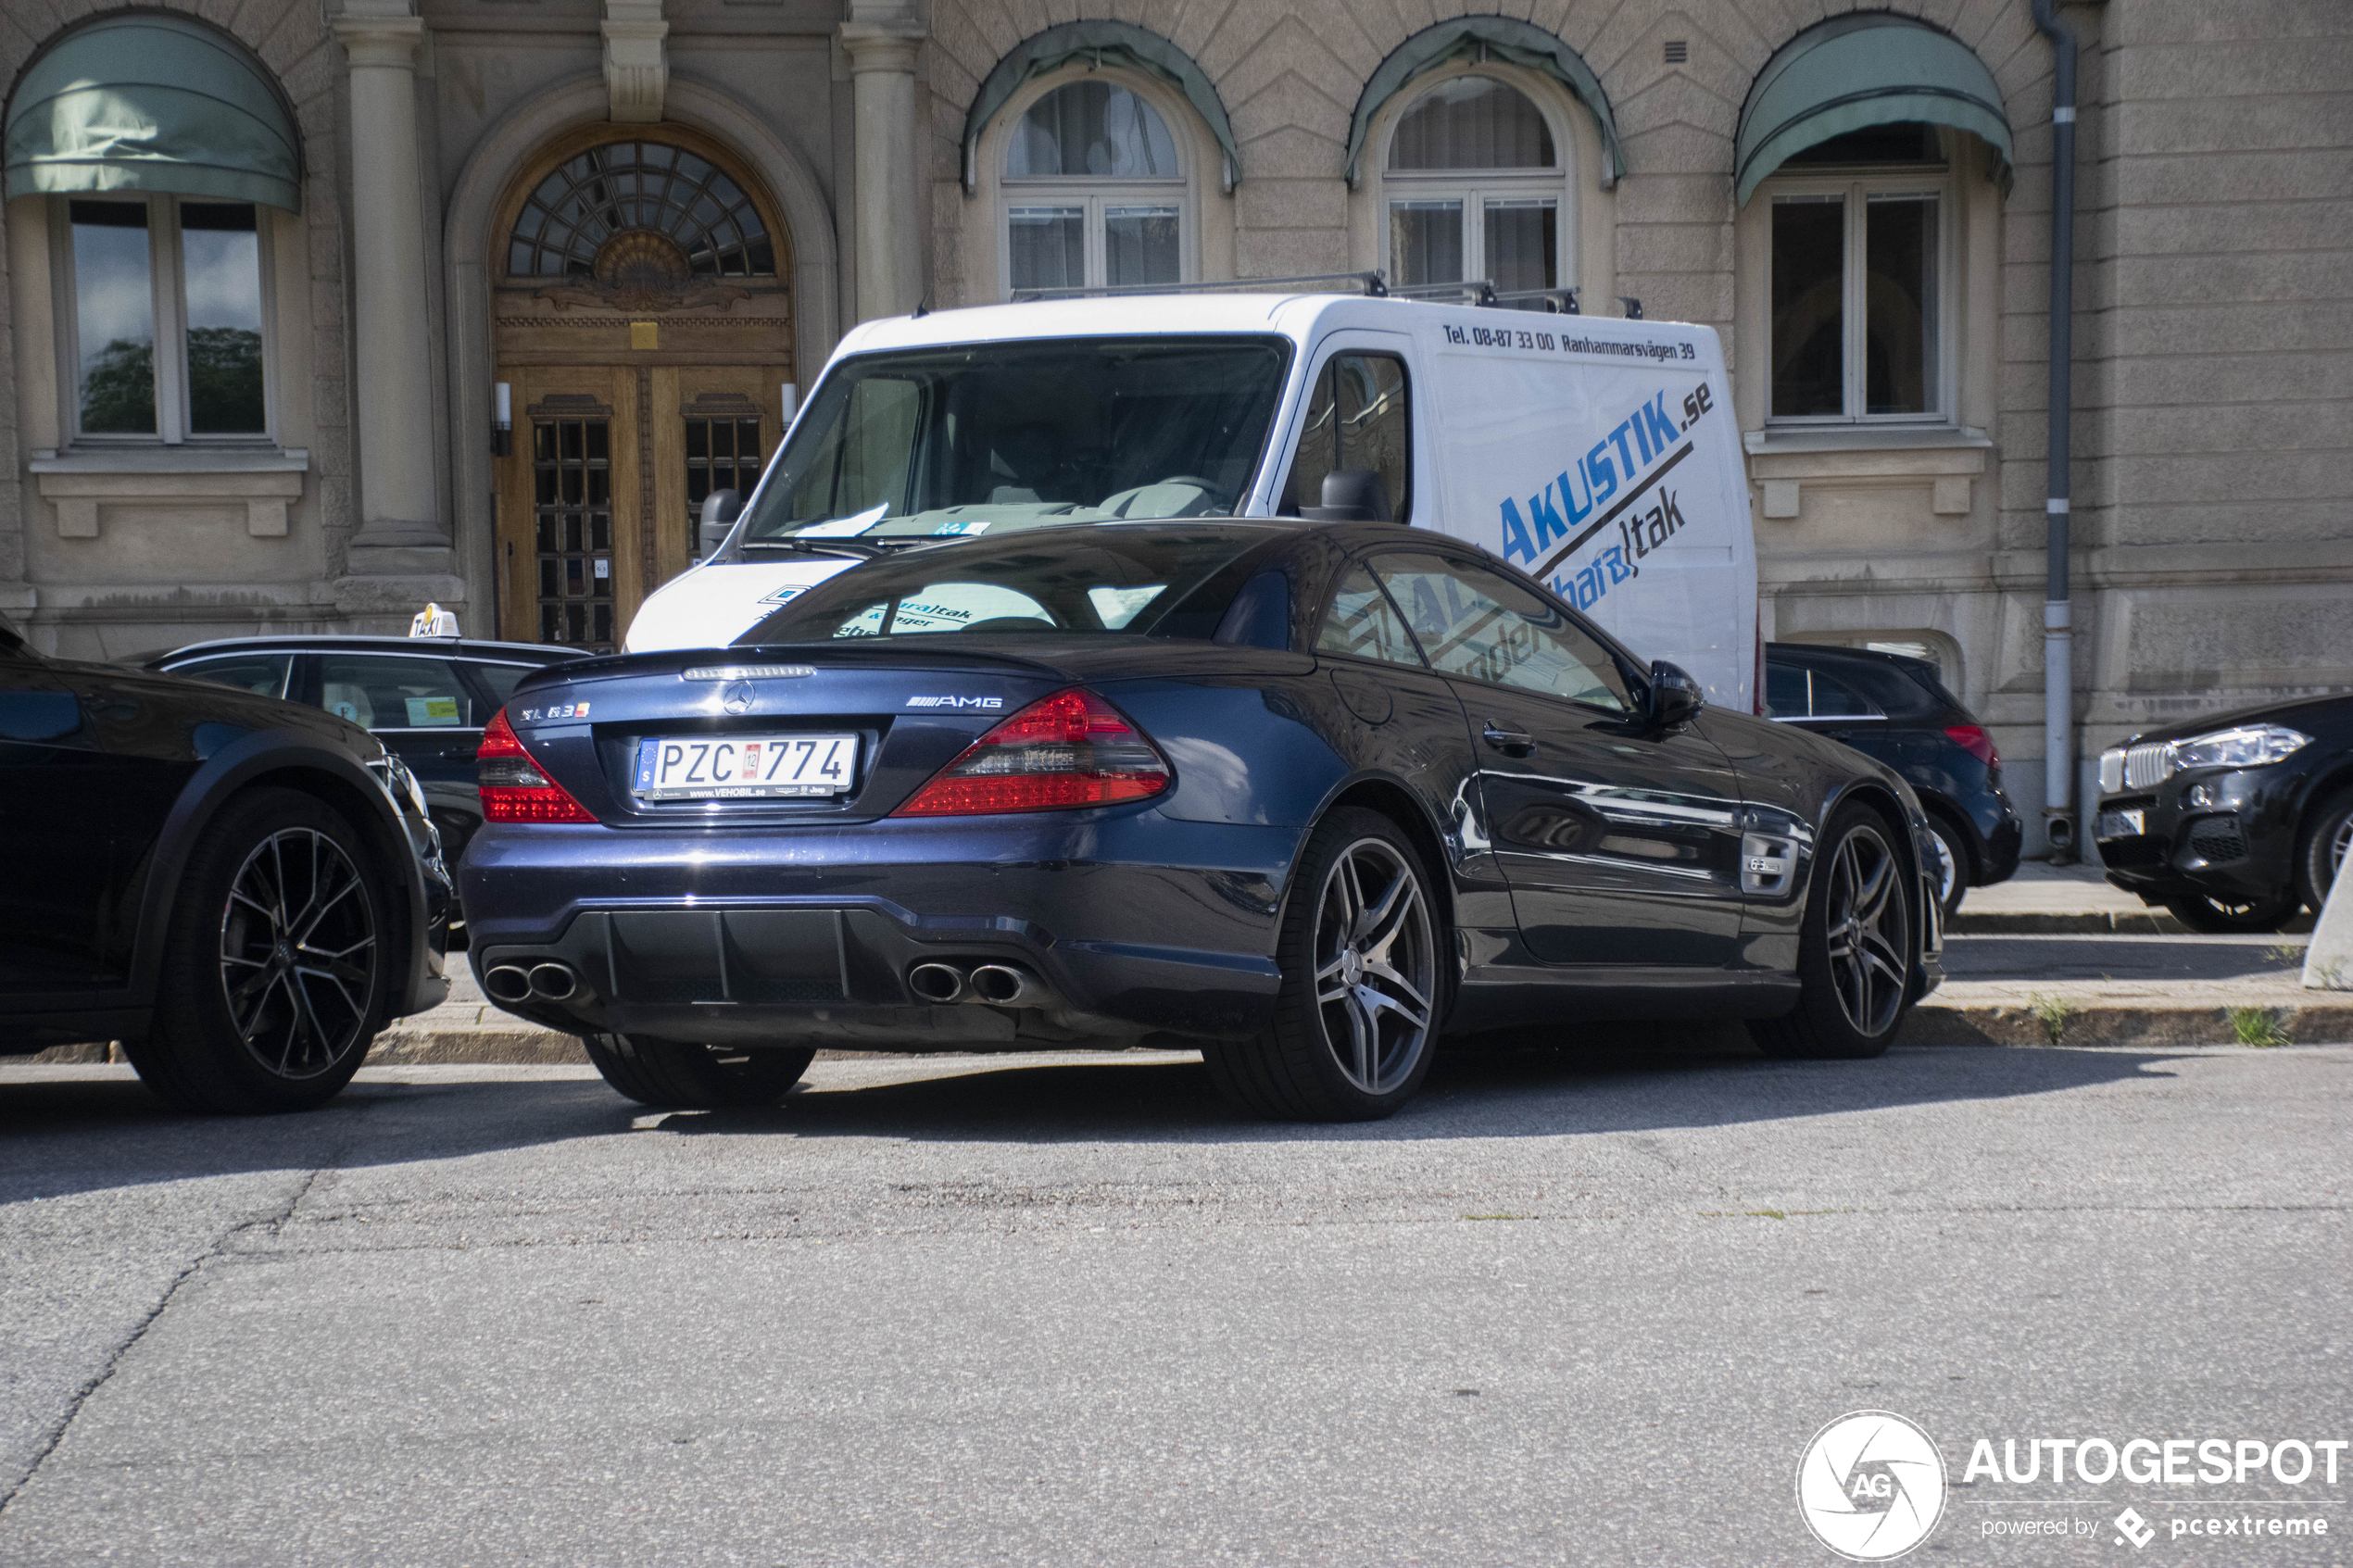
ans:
x=992 y=437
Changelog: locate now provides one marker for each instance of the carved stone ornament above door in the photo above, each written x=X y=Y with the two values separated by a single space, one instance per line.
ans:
x=641 y=271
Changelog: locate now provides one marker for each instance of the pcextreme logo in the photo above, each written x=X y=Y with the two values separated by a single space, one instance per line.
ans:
x=1870 y=1485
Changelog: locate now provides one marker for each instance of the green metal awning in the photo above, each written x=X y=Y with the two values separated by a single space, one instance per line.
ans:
x=1864 y=70
x=1498 y=38
x=1104 y=43
x=148 y=103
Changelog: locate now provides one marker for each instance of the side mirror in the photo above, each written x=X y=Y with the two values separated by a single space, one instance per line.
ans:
x=1352 y=496
x=720 y=509
x=1675 y=696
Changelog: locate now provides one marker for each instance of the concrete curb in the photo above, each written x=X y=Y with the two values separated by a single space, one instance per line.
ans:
x=2156 y=923
x=2156 y=1027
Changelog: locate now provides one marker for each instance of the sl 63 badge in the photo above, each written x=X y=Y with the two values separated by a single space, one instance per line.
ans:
x=549 y=715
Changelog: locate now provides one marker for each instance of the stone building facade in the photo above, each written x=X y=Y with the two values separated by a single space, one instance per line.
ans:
x=636 y=227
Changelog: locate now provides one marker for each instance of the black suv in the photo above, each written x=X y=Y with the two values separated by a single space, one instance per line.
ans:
x=426 y=698
x=1896 y=710
x=2232 y=822
x=240 y=890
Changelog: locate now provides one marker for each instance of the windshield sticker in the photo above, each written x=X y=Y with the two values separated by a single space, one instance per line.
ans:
x=843 y=527
x=783 y=593
x=963 y=525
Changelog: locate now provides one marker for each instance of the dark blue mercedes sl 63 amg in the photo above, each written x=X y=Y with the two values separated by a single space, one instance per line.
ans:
x=1306 y=795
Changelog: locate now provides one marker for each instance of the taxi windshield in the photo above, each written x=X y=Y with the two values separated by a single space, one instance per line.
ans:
x=975 y=438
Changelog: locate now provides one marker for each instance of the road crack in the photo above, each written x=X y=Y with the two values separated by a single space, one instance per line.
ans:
x=271 y=1222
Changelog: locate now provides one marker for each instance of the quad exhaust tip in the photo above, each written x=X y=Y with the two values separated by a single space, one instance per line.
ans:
x=1005 y=984
x=507 y=983
x=997 y=984
x=555 y=982
x=936 y=982
x=550 y=982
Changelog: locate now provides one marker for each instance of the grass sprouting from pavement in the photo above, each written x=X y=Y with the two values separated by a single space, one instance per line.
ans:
x=2258 y=1027
x=2051 y=1012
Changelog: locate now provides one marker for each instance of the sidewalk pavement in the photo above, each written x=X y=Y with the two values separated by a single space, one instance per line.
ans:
x=2042 y=899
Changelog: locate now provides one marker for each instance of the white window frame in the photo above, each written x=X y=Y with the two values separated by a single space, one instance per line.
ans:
x=1924 y=180
x=1092 y=194
x=1475 y=187
x=168 y=277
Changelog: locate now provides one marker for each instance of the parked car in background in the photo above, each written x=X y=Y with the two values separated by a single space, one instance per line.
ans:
x=2233 y=821
x=241 y=890
x=1896 y=710
x=1307 y=794
x=425 y=698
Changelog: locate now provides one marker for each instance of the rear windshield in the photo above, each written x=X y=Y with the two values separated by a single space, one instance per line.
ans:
x=945 y=442
x=1166 y=581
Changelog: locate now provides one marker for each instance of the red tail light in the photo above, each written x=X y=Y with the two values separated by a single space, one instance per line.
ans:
x=1976 y=742
x=512 y=787
x=1069 y=749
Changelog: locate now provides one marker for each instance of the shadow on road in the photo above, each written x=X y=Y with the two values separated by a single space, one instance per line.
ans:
x=66 y=1135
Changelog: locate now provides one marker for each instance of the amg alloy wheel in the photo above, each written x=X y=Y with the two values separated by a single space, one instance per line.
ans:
x=1854 y=948
x=1363 y=992
x=277 y=965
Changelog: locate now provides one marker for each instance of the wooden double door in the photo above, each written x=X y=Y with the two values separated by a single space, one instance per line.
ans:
x=598 y=499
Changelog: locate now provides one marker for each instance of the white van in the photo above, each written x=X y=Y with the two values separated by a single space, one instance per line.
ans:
x=1597 y=456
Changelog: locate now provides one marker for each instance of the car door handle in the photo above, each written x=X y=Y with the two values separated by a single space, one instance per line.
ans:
x=1511 y=743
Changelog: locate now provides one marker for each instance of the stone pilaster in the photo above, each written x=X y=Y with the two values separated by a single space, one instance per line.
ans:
x=400 y=529
x=883 y=42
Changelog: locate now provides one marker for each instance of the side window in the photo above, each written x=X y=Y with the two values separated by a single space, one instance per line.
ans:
x=264 y=675
x=1834 y=699
x=1362 y=623
x=392 y=692
x=1785 y=691
x=1476 y=623
x=1357 y=417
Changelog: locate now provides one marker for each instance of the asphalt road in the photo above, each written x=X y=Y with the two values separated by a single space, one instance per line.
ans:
x=1565 y=1309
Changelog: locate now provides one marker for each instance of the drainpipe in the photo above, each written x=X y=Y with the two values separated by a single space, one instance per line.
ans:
x=2058 y=696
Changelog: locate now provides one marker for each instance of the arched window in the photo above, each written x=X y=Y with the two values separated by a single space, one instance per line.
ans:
x=1474 y=185
x=1094 y=192
x=640 y=184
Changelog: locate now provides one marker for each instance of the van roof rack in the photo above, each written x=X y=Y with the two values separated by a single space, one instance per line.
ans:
x=1367 y=283
x=1479 y=292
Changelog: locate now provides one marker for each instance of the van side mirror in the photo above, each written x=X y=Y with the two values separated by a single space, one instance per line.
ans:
x=1675 y=696
x=1352 y=496
x=720 y=509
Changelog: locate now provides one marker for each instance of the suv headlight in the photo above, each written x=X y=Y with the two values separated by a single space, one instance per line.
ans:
x=2250 y=746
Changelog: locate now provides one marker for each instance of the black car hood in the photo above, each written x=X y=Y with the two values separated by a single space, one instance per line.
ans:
x=2308 y=714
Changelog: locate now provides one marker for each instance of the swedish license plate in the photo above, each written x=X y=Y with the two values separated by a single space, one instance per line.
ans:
x=745 y=767
x=2122 y=824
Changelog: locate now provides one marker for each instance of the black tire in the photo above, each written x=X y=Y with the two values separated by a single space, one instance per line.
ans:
x=2321 y=852
x=1953 y=882
x=1364 y=988
x=670 y=1076
x=1854 y=951
x=2202 y=911
x=260 y=1008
